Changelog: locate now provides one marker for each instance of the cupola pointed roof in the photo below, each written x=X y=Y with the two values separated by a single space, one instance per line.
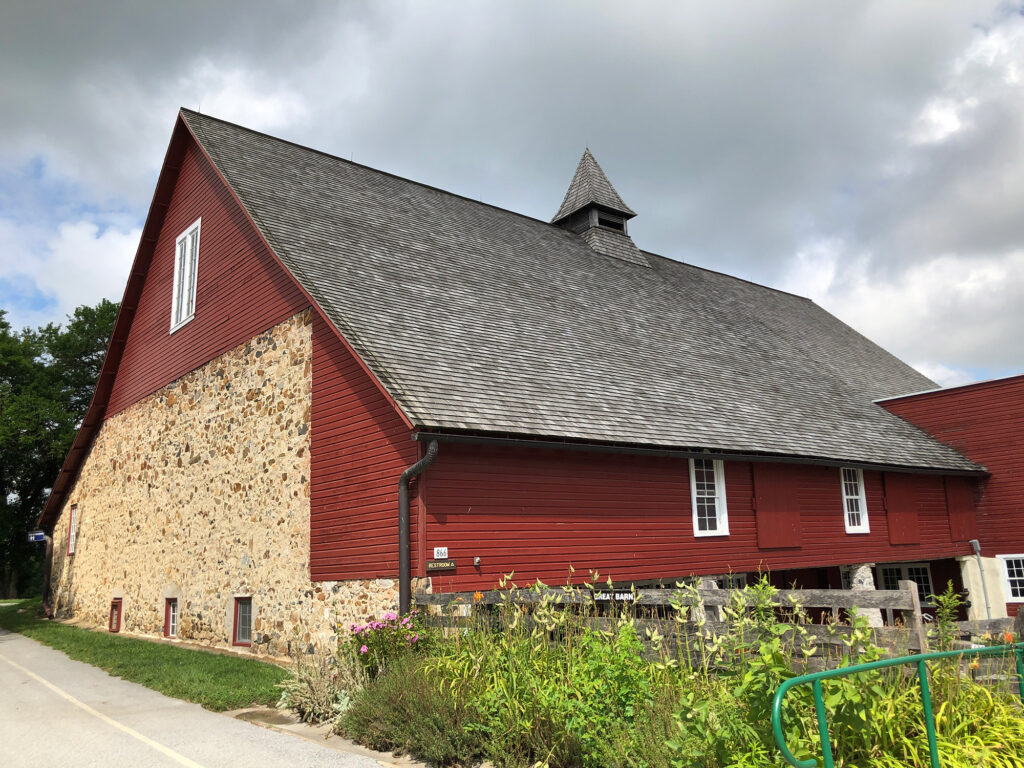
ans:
x=590 y=186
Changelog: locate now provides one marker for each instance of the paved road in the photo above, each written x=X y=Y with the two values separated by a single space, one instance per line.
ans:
x=59 y=712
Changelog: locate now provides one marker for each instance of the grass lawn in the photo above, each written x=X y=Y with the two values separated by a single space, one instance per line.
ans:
x=216 y=681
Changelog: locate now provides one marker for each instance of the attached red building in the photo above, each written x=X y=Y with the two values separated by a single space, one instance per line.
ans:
x=567 y=399
x=985 y=422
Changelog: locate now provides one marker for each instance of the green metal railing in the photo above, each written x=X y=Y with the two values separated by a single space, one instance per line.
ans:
x=920 y=660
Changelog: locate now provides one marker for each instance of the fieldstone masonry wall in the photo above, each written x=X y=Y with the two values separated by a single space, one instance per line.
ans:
x=201 y=492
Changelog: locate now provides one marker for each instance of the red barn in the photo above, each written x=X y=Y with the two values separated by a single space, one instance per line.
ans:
x=985 y=421
x=328 y=386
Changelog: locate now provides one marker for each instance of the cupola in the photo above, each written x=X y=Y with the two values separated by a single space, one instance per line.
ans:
x=593 y=209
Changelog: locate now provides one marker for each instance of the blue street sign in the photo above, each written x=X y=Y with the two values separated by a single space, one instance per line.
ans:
x=37 y=535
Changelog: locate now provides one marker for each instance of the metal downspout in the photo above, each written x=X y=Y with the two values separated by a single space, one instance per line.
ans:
x=404 y=559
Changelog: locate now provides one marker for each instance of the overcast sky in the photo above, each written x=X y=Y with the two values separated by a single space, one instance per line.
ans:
x=867 y=155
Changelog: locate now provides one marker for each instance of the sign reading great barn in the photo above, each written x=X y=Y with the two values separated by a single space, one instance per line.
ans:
x=619 y=597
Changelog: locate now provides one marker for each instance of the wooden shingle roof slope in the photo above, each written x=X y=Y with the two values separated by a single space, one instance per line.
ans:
x=479 y=319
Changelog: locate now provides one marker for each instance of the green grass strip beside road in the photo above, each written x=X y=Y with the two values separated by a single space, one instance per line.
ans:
x=216 y=681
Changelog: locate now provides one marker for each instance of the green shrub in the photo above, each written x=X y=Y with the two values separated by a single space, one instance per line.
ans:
x=551 y=685
x=321 y=688
x=407 y=710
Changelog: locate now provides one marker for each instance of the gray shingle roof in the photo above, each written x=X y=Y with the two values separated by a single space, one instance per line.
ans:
x=477 y=318
x=590 y=185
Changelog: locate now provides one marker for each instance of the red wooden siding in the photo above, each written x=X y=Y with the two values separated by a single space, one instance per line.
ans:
x=241 y=290
x=537 y=512
x=901 y=507
x=359 y=448
x=985 y=422
x=778 y=518
x=962 y=516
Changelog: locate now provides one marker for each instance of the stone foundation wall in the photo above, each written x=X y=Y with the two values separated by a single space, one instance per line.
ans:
x=201 y=492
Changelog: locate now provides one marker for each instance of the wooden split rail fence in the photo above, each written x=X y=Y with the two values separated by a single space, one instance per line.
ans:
x=654 y=608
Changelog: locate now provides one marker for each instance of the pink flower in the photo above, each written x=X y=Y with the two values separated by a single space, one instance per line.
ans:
x=405 y=621
x=390 y=616
x=364 y=649
x=415 y=638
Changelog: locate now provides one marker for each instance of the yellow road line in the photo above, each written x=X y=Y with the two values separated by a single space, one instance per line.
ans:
x=180 y=759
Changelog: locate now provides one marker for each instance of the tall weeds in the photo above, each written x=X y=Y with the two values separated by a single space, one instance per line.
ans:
x=567 y=680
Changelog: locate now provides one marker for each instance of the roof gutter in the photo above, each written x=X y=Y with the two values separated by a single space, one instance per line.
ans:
x=404 y=559
x=626 y=449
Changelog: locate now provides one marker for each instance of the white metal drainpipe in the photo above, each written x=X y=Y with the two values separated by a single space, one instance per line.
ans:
x=976 y=545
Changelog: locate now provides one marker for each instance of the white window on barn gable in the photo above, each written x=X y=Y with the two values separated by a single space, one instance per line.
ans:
x=186 y=265
x=855 y=505
x=73 y=529
x=1013 y=577
x=707 y=495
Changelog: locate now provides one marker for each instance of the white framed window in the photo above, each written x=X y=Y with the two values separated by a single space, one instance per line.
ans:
x=171 y=617
x=1013 y=577
x=186 y=265
x=889 y=576
x=243 y=621
x=707 y=495
x=855 y=505
x=72 y=529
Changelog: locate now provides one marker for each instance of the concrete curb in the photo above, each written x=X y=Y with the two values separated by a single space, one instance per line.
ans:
x=286 y=722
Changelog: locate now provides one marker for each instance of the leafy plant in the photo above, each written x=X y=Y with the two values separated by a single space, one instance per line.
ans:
x=379 y=643
x=321 y=688
x=947 y=610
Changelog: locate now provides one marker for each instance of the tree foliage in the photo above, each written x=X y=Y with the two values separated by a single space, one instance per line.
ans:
x=47 y=376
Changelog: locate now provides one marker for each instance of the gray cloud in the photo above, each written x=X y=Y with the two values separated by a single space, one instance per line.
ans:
x=746 y=138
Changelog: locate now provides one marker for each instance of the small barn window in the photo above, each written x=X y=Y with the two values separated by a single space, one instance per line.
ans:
x=707 y=495
x=845 y=577
x=72 y=529
x=243 y=621
x=186 y=265
x=1013 y=577
x=171 y=617
x=855 y=506
x=890 y=575
x=115 y=615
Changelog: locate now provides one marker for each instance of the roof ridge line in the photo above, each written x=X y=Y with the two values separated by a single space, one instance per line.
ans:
x=370 y=168
x=469 y=199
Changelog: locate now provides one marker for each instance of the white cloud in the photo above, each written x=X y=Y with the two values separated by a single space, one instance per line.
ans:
x=941 y=119
x=946 y=376
x=919 y=313
x=80 y=264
